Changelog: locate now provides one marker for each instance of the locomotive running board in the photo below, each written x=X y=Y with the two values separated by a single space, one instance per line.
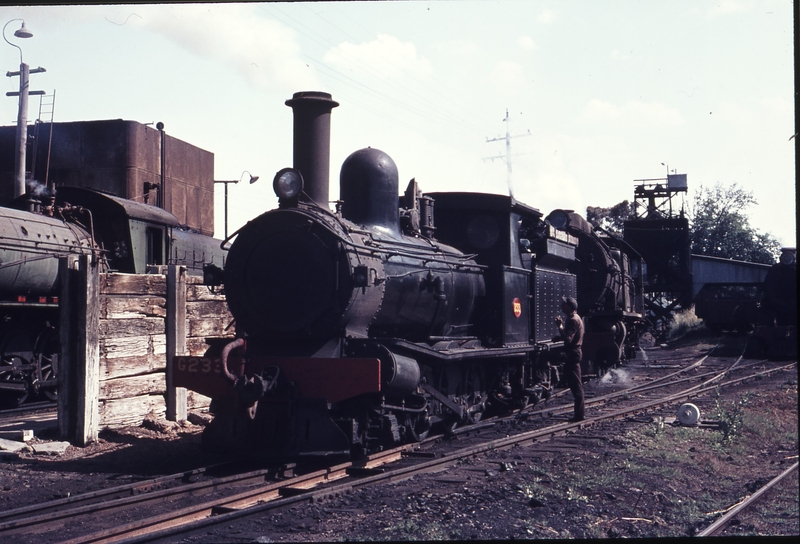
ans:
x=470 y=353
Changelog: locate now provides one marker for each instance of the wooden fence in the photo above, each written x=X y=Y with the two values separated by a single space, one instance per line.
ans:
x=117 y=333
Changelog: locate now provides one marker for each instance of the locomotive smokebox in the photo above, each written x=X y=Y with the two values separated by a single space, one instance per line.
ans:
x=312 y=141
x=369 y=185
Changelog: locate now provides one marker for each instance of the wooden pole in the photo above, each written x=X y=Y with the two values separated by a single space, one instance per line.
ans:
x=79 y=368
x=176 y=338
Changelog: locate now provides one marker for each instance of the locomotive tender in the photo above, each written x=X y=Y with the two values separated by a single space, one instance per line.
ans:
x=363 y=328
x=126 y=236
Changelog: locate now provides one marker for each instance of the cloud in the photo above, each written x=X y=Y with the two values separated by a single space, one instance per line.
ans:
x=634 y=113
x=263 y=51
x=547 y=16
x=387 y=57
x=526 y=42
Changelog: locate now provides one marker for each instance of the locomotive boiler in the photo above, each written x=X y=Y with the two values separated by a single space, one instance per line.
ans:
x=366 y=326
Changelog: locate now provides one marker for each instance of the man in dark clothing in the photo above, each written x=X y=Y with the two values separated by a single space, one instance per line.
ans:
x=572 y=333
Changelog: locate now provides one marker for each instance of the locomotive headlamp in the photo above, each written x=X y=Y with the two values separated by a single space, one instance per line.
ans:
x=559 y=219
x=788 y=256
x=287 y=183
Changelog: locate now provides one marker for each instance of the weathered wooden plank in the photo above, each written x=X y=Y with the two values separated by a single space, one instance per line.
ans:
x=176 y=338
x=121 y=307
x=119 y=388
x=133 y=284
x=130 y=411
x=207 y=309
x=137 y=326
x=119 y=367
x=133 y=346
x=88 y=351
x=196 y=347
x=80 y=359
x=196 y=401
x=202 y=292
x=210 y=328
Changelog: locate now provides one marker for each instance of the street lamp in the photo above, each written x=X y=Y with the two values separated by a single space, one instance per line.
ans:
x=253 y=179
x=22 y=115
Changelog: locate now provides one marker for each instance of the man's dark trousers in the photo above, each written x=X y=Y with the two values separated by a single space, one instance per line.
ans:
x=573 y=371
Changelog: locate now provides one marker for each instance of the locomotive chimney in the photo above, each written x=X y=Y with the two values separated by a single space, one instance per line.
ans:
x=312 y=141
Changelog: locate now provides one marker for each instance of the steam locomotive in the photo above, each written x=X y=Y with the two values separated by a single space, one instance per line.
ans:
x=126 y=236
x=775 y=330
x=367 y=326
x=610 y=295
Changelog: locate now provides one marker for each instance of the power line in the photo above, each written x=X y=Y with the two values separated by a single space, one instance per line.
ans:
x=507 y=156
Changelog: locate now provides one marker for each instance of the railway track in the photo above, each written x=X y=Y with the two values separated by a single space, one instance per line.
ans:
x=28 y=408
x=192 y=504
x=719 y=525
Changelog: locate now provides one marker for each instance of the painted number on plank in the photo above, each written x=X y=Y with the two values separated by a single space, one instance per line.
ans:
x=198 y=364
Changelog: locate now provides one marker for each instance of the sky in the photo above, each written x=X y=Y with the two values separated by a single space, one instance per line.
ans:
x=593 y=95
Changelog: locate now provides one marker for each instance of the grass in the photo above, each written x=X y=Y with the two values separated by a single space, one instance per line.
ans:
x=683 y=323
x=656 y=478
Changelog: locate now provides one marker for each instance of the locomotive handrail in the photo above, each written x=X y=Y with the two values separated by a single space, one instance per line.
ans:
x=80 y=209
x=39 y=247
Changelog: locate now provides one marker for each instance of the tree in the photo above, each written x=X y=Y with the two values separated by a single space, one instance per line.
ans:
x=611 y=219
x=720 y=228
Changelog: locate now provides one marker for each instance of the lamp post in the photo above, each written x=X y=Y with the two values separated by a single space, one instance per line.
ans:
x=22 y=116
x=253 y=179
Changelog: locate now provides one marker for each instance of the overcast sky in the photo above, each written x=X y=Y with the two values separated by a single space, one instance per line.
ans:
x=598 y=94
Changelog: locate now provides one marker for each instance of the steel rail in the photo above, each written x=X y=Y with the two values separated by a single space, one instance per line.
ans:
x=216 y=512
x=604 y=399
x=23 y=518
x=717 y=527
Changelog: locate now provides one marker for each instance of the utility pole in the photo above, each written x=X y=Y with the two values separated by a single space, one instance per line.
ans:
x=21 y=144
x=507 y=156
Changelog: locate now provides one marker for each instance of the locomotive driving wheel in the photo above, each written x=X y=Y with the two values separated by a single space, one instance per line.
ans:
x=16 y=366
x=46 y=353
x=418 y=426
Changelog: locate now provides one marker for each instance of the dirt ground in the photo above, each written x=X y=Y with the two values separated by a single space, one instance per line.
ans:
x=622 y=479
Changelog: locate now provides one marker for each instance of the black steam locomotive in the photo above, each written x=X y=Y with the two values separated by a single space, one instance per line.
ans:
x=126 y=236
x=775 y=331
x=610 y=296
x=365 y=327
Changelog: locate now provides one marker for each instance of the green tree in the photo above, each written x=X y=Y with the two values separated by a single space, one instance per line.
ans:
x=720 y=228
x=611 y=219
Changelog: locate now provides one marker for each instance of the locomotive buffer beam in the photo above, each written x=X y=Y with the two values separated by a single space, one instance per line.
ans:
x=455 y=408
